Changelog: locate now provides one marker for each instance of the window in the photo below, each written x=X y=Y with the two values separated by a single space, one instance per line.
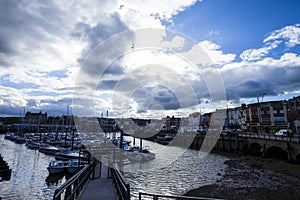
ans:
x=281 y=111
x=262 y=112
x=275 y=111
x=268 y=112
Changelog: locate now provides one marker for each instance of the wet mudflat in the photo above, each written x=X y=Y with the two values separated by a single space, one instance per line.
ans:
x=249 y=177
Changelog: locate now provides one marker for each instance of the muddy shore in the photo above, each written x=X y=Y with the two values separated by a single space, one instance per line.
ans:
x=250 y=177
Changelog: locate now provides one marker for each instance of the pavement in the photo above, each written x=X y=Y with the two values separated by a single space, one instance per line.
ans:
x=99 y=188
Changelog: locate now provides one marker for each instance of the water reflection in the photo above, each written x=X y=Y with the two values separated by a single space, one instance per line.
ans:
x=55 y=179
x=169 y=176
x=29 y=173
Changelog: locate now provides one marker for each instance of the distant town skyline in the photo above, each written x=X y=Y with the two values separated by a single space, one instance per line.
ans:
x=254 y=45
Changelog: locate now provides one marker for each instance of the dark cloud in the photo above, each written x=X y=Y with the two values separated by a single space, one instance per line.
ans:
x=148 y=98
x=107 y=85
x=250 y=81
x=94 y=35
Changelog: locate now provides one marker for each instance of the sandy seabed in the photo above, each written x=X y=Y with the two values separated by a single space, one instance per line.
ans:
x=250 y=177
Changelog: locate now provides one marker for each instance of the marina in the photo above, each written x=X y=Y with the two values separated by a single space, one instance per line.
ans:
x=30 y=165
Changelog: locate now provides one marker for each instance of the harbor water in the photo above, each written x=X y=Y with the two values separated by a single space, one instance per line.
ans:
x=30 y=178
x=173 y=175
x=165 y=174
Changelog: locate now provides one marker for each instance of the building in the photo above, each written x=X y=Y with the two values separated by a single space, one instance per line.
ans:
x=293 y=107
x=35 y=118
x=172 y=123
x=266 y=117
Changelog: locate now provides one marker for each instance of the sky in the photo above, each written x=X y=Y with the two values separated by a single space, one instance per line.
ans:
x=146 y=58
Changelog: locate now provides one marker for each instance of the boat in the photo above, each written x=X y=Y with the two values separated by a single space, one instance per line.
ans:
x=134 y=156
x=20 y=140
x=147 y=155
x=33 y=144
x=74 y=166
x=165 y=140
x=68 y=155
x=8 y=135
x=48 y=149
x=138 y=154
x=57 y=166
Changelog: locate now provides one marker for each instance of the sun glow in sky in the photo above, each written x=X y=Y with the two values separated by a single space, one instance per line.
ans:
x=44 y=45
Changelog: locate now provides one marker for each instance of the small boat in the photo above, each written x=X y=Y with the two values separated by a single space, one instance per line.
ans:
x=134 y=156
x=33 y=144
x=8 y=135
x=48 y=149
x=57 y=166
x=74 y=166
x=164 y=140
x=20 y=140
x=68 y=155
x=138 y=154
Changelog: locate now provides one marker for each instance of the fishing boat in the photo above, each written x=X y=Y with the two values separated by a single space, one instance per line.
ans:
x=57 y=166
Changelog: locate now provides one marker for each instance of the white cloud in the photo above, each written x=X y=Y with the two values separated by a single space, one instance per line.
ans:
x=257 y=54
x=291 y=35
x=215 y=54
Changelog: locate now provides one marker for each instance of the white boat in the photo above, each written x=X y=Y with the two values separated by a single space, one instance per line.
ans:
x=134 y=156
x=137 y=154
x=74 y=166
x=48 y=149
x=68 y=155
x=57 y=166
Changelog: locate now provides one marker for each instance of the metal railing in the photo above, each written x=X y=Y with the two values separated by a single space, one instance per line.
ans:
x=121 y=184
x=270 y=136
x=157 y=196
x=72 y=188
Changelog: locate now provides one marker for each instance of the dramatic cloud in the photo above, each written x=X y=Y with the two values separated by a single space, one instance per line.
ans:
x=44 y=48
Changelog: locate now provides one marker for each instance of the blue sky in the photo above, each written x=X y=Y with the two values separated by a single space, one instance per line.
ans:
x=236 y=25
x=48 y=55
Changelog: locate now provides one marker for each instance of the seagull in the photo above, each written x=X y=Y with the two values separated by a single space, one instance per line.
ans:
x=132 y=47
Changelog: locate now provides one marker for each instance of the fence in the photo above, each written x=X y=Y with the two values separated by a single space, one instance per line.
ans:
x=72 y=188
x=158 y=196
x=121 y=184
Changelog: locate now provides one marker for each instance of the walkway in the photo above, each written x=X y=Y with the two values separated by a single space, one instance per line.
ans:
x=100 y=188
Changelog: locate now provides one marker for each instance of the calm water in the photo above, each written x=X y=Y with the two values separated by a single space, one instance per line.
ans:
x=174 y=171
x=29 y=179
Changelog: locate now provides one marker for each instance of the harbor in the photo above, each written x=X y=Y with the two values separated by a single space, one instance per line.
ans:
x=190 y=174
x=30 y=165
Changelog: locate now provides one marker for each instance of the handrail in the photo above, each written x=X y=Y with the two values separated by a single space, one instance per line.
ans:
x=122 y=185
x=156 y=196
x=72 y=188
